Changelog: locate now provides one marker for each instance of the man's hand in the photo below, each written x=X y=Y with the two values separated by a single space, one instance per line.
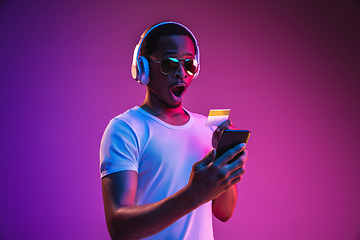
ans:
x=210 y=177
x=219 y=130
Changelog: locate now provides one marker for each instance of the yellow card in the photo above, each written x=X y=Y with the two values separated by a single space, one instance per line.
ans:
x=217 y=117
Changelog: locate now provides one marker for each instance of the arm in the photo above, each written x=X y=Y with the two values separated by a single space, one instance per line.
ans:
x=223 y=206
x=125 y=220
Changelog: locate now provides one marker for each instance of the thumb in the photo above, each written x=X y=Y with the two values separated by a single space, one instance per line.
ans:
x=206 y=160
x=211 y=155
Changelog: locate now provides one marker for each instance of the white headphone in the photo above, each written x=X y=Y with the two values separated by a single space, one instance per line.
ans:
x=140 y=65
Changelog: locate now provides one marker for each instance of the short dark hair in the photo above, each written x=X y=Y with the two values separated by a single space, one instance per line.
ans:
x=150 y=43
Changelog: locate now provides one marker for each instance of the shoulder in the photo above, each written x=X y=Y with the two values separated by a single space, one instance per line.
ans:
x=122 y=125
x=127 y=119
x=200 y=119
x=130 y=115
x=197 y=117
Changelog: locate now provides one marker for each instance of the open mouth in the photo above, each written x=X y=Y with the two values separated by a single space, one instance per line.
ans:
x=178 y=90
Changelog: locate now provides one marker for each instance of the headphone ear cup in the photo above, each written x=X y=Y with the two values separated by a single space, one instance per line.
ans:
x=197 y=57
x=144 y=69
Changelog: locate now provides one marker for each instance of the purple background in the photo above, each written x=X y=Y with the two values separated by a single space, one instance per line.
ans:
x=289 y=71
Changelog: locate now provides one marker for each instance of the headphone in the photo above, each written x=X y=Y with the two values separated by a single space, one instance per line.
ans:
x=140 y=65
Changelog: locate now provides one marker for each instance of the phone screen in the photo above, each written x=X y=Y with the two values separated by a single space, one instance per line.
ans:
x=230 y=139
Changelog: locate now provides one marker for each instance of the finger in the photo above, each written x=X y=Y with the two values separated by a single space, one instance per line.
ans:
x=238 y=161
x=206 y=160
x=244 y=157
x=224 y=126
x=221 y=128
x=241 y=158
x=236 y=180
x=237 y=168
x=236 y=175
x=230 y=154
x=240 y=171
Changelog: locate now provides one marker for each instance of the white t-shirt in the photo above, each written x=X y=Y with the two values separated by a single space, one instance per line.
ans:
x=162 y=155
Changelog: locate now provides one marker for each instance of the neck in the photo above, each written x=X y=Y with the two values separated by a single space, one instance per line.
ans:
x=174 y=115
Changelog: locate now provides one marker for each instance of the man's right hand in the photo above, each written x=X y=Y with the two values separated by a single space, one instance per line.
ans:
x=210 y=177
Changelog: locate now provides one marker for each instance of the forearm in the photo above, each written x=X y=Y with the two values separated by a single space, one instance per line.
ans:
x=140 y=221
x=223 y=206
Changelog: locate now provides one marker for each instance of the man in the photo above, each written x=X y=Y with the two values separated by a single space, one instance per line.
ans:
x=160 y=178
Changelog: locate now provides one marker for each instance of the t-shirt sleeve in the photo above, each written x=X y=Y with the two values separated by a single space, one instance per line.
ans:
x=118 y=149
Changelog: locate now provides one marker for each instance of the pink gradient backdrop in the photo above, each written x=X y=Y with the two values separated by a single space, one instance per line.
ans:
x=289 y=70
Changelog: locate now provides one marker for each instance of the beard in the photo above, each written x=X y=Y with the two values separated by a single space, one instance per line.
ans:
x=168 y=105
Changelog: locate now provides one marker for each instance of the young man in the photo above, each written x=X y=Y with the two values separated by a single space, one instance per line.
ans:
x=160 y=177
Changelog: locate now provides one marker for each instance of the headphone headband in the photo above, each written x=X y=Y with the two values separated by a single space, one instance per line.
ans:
x=140 y=65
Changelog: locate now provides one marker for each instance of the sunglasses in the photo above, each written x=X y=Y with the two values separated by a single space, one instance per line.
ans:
x=170 y=65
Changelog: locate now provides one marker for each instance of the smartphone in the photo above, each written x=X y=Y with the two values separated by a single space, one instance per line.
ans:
x=230 y=139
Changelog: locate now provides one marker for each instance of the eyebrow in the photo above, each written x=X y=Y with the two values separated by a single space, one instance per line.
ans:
x=170 y=52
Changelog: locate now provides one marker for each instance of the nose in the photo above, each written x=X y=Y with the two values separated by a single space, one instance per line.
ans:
x=180 y=71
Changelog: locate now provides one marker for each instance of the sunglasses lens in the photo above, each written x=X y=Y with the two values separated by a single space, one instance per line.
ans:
x=191 y=66
x=170 y=65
